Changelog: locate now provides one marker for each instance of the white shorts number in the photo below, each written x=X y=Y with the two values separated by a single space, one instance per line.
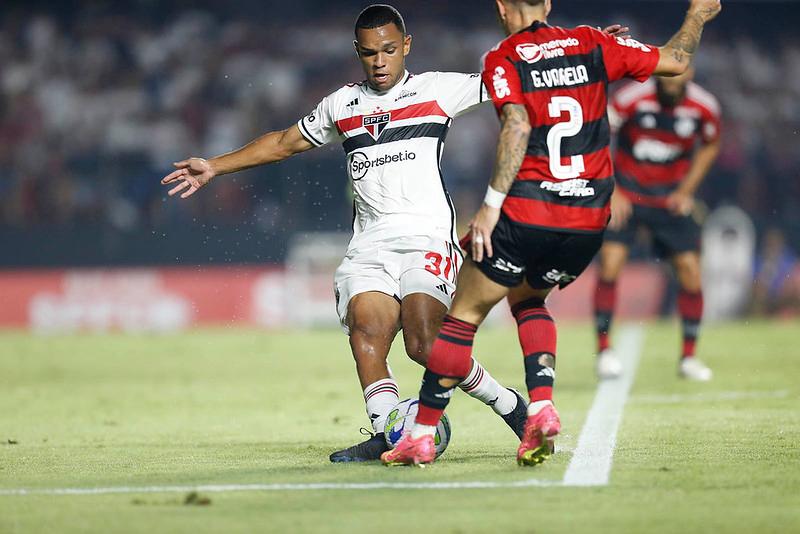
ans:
x=557 y=105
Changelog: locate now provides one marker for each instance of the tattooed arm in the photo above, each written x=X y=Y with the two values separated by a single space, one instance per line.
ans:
x=511 y=148
x=514 y=133
x=677 y=54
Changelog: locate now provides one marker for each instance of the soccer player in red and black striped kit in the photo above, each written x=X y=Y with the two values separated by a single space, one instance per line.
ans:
x=667 y=140
x=547 y=204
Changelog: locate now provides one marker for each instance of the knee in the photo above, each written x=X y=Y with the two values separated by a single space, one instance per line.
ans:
x=418 y=347
x=688 y=271
x=609 y=271
x=370 y=338
x=612 y=261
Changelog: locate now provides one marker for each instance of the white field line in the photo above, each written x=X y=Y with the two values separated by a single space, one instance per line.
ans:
x=718 y=396
x=590 y=463
x=220 y=488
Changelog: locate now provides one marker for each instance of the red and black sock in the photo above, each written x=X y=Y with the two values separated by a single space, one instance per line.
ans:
x=537 y=337
x=451 y=357
x=605 y=298
x=690 y=308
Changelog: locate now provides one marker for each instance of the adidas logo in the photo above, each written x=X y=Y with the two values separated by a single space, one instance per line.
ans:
x=442 y=288
x=547 y=372
x=352 y=104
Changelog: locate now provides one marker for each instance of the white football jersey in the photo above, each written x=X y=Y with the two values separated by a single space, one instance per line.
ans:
x=393 y=142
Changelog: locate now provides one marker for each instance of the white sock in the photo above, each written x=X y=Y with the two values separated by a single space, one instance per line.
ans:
x=534 y=407
x=481 y=385
x=381 y=397
x=422 y=430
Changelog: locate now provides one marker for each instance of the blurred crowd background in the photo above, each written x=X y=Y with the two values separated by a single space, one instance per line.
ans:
x=97 y=99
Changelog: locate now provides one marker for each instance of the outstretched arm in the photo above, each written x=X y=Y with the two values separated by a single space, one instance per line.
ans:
x=194 y=173
x=514 y=134
x=677 y=54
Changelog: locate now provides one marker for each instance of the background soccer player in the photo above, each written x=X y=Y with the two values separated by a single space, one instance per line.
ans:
x=400 y=267
x=668 y=138
x=547 y=204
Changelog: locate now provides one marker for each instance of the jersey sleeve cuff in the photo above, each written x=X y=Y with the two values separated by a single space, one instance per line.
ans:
x=307 y=134
x=655 y=57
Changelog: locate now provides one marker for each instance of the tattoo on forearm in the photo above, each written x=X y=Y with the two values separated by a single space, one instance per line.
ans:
x=684 y=43
x=511 y=147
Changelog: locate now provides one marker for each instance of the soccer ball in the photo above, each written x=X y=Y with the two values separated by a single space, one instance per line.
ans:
x=401 y=419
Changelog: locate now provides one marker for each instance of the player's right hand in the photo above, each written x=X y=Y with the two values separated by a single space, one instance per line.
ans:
x=192 y=173
x=708 y=9
x=621 y=210
x=481 y=228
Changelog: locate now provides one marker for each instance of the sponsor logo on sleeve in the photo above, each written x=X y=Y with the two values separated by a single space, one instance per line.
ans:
x=632 y=43
x=501 y=87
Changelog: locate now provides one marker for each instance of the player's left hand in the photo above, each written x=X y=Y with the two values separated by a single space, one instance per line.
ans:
x=481 y=228
x=680 y=203
x=617 y=30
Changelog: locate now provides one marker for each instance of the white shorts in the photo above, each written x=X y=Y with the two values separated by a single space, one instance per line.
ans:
x=398 y=268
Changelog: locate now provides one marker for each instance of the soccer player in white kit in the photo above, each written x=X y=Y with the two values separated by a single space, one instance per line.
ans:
x=400 y=267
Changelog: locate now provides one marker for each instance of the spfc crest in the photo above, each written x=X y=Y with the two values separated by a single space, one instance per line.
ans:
x=376 y=124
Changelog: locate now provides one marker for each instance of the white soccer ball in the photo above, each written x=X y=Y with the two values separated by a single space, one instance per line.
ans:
x=401 y=419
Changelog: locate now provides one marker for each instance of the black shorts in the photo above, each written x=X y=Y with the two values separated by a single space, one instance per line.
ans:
x=672 y=234
x=545 y=258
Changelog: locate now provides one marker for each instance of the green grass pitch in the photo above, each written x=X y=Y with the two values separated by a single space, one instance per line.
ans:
x=249 y=407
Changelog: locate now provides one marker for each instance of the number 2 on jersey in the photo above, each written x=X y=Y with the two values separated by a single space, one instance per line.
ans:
x=558 y=105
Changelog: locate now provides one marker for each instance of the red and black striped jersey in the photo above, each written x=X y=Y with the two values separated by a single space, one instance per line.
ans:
x=561 y=76
x=655 y=144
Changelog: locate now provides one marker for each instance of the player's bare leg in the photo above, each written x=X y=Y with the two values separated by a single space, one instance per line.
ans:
x=449 y=363
x=421 y=317
x=374 y=320
x=690 y=309
x=613 y=256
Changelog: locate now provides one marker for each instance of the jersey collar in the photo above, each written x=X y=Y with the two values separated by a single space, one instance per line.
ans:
x=394 y=90
x=535 y=26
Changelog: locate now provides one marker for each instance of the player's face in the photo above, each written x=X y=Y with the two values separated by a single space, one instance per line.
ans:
x=383 y=52
x=671 y=89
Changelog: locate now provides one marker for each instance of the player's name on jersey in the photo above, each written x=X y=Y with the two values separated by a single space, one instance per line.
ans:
x=560 y=77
